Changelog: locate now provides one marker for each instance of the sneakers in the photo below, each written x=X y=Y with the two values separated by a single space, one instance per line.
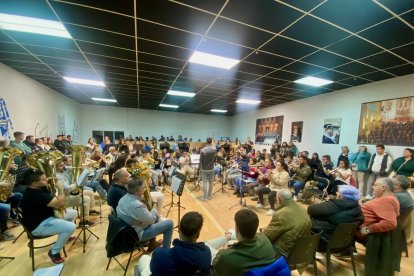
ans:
x=153 y=244
x=6 y=236
x=295 y=198
x=16 y=222
x=270 y=212
x=86 y=223
x=55 y=258
x=259 y=206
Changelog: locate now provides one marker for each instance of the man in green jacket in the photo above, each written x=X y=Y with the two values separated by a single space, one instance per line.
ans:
x=18 y=143
x=289 y=222
x=301 y=174
x=253 y=250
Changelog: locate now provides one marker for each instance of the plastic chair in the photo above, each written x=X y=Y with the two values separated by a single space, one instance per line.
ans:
x=32 y=238
x=342 y=241
x=277 y=268
x=303 y=252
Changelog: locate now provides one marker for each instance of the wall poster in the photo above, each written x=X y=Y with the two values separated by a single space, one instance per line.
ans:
x=388 y=122
x=331 y=131
x=268 y=130
x=296 y=132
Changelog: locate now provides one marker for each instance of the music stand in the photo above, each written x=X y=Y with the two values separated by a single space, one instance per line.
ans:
x=222 y=189
x=177 y=187
x=242 y=201
x=171 y=172
x=80 y=182
x=195 y=162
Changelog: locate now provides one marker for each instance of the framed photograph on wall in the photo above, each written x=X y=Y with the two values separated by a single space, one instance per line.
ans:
x=388 y=122
x=296 y=132
x=268 y=130
x=331 y=130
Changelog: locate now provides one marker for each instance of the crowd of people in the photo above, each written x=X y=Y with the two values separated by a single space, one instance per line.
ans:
x=282 y=177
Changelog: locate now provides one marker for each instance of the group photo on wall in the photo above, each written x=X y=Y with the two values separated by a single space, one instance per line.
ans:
x=390 y=122
x=269 y=130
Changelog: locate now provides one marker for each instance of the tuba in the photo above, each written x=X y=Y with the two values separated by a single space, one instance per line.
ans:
x=7 y=155
x=46 y=162
x=142 y=171
x=78 y=152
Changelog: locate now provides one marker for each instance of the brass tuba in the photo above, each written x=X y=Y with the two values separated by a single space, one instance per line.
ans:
x=142 y=171
x=46 y=162
x=78 y=152
x=7 y=155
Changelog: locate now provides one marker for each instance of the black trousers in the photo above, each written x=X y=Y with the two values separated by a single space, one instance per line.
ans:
x=271 y=196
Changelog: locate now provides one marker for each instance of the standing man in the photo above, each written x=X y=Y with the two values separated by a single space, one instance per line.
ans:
x=207 y=159
x=379 y=166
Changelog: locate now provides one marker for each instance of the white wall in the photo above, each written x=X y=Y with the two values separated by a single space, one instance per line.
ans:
x=141 y=122
x=32 y=104
x=345 y=104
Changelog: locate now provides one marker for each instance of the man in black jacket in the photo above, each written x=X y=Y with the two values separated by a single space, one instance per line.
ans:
x=326 y=216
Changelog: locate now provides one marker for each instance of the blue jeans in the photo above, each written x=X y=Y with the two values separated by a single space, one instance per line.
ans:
x=14 y=201
x=164 y=227
x=62 y=227
x=4 y=214
x=297 y=186
x=95 y=185
x=208 y=174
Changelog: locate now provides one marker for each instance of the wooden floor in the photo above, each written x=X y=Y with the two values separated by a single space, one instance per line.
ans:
x=217 y=219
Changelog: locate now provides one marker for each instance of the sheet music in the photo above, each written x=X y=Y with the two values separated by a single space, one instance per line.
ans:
x=177 y=185
x=80 y=182
x=195 y=159
x=49 y=271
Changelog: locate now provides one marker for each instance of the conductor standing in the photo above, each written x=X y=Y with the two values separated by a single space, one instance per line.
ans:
x=207 y=159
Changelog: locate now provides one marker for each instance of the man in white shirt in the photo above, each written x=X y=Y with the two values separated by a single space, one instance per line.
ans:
x=185 y=166
x=379 y=166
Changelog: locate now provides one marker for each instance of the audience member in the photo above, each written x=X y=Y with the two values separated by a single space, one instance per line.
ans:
x=252 y=250
x=359 y=162
x=401 y=185
x=379 y=166
x=289 y=222
x=342 y=176
x=146 y=222
x=343 y=155
x=404 y=165
x=301 y=174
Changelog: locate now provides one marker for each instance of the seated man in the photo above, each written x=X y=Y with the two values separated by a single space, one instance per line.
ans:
x=90 y=185
x=38 y=207
x=118 y=188
x=186 y=257
x=380 y=213
x=185 y=167
x=253 y=250
x=75 y=200
x=289 y=222
x=242 y=166
x=146 y=222
x=401 y=185
x=301 y=174
x=156 y=196
x=326 y=216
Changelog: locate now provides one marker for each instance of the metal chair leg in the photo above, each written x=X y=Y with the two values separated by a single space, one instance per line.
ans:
x=315 y=267
x=129 y=260
x=14 y=241
x=353 y=261
x=328 y=262
x=109 y=262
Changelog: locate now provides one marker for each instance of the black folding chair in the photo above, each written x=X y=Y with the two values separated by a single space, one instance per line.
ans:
x=342 y=241
x=121 y=238
x=32 y=238
x=303 y=252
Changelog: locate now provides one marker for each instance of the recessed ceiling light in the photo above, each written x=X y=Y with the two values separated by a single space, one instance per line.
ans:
x=180 y=93
x=312 y=81
x=213 y=60
x=247 y=101
x=218 y=110
x=104 y=100
x=32 y=25
x=84 y=81
x=169 y=105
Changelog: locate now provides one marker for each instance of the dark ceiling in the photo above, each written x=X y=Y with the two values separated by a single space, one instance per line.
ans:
x=140 y=49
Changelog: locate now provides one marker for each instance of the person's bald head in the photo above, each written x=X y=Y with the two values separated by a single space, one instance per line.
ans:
x=121 y=177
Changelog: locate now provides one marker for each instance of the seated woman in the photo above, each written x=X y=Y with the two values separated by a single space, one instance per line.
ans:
x=342 y=176
x=279 y=179
x=326 y=216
